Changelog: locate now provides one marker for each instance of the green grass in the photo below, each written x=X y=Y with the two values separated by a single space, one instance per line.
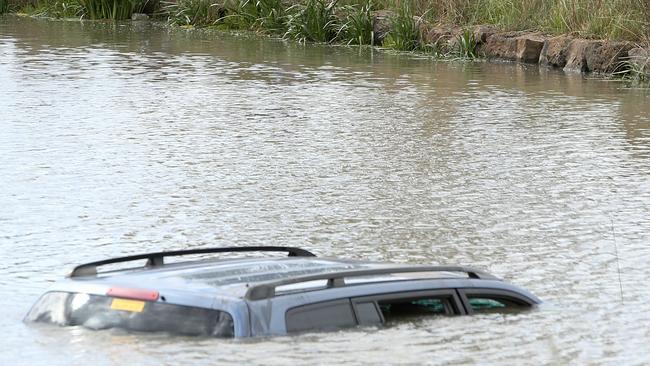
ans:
x=112 y=9
x=357 y=28
x=92 y=9
x=260 y=15
x=636 y=70
x=405 y=32
x=193 y=12
x=350 y=21
x=618 y=19
x=314 y=21
x=55 y=9
x=466 y=45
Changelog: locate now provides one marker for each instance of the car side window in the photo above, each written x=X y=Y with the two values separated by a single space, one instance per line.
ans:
x=405 y=308
x=406 y=305
x=494 y=303
x=479 y=304
x=328 y=315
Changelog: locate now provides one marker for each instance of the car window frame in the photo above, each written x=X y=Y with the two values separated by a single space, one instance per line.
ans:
x=453 y=307
x=490 y=293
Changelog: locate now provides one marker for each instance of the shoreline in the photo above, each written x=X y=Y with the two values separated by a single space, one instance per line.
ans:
x=565 y=52
x=571 y=54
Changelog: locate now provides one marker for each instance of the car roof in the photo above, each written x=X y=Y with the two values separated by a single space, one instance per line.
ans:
x=256 y=278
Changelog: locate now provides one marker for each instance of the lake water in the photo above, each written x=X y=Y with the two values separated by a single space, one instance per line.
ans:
x=121 y=139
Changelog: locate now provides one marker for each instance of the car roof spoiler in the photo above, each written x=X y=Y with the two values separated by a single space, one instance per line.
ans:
x=267 y=290
x=157 y=259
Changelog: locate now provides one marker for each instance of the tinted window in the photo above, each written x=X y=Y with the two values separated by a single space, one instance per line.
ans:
x=493 y=304
x=397 y=309
x=102 y=312
x=327 y=315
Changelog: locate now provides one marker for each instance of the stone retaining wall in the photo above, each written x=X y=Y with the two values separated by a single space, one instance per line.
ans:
x=567 y=52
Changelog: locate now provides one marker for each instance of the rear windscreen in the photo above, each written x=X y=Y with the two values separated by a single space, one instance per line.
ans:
x=103 y=312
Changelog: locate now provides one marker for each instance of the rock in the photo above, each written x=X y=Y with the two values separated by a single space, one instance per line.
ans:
x=514 y=46
x=443 y=37
x=554 y=52
x=482 y=32
x=596 y=56
x=529 y=48
x=438 y=34
x=575 y=56
x=638 y=53
x=139 y=16
x=606 y=56
x=503 y=46
x=381 y=25
x=639 y=59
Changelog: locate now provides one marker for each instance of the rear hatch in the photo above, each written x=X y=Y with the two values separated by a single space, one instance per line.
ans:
x=130 y=309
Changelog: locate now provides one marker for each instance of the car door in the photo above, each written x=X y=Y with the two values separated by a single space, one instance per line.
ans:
x=320 y=316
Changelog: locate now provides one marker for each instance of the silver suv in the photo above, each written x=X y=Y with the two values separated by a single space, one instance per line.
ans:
x=246 y=297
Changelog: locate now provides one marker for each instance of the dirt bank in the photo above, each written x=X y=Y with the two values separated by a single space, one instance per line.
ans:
x=566 y=52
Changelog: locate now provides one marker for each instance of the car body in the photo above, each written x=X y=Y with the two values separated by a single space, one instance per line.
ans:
x=262 y=296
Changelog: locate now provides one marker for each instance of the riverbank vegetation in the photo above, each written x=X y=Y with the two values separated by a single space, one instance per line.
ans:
x=404 y=25
x=349 y=20
x=405 y=33
x=112 y=9
x=619 y=19
x=87 y=9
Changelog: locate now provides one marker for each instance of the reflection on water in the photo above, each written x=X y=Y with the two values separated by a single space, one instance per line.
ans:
x=116 y=140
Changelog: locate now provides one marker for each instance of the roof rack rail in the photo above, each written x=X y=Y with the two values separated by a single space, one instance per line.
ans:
x=157 y=259
x=267 y=290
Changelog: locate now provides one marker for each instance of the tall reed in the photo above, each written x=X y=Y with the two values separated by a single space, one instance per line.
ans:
x=627 y=19
x=314 y=21
x=261 y=15
x=358 y=27
x=636 y=69
x=466 y=45
x=55 y=9
x=193 y=12
x=112 y=9
x=404 y=34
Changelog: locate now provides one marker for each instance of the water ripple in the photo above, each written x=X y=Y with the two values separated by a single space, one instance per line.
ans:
x=115 y=142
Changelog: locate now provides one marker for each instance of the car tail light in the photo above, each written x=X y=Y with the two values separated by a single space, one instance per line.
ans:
x=133 y=293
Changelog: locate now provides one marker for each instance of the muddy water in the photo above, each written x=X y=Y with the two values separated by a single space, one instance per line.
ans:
x=119 y=139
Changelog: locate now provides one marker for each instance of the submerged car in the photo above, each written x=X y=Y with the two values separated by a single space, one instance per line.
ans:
x=270 y=295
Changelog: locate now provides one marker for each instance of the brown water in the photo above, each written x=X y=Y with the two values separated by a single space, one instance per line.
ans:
x=119 y=139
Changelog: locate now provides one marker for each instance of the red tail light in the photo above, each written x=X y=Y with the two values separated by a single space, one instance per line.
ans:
x=133 y=293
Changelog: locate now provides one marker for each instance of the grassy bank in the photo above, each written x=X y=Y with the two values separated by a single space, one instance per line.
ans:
x=617 y=19
x=351 y=21
x=88 y=9
x=325 y=20
x=344 y=20
x=4 y=6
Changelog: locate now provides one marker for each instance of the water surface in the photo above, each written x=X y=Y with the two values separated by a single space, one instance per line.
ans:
x=120 y=139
